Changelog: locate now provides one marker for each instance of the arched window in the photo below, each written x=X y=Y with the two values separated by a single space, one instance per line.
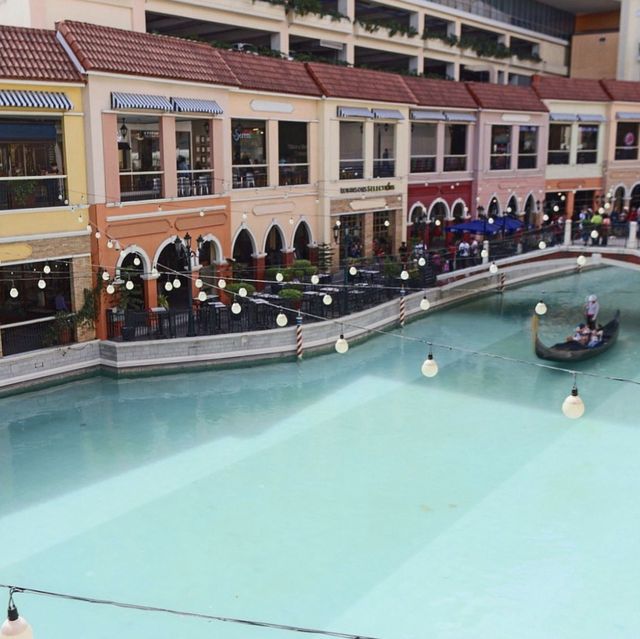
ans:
x=512 y=206
x=273 y=246
x=459 y=211
x=171 y=263
x=301 y=241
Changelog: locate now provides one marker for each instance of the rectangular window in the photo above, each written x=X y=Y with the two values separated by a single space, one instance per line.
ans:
x=351 y=236
x=627 y=141
x=559 y=144
x=32 y=171
x=293 y=153
x=383 y=233
x=455 y=147
x=587 y=143
x=500 y=148
x=384 y=142
x=249 y=153
x=193 y=158
x=351 y=150
x=423 y=147
x=528 y=147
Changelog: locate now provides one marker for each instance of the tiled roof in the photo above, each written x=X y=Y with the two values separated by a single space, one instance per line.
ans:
x=504 y=97
x=101 y=48
x=34 y=54
x=578 y=89
x=270 y=74
x=622 y=90
x=360 y=84
x=440 y=93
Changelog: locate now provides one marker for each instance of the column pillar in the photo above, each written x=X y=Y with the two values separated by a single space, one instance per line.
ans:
x=569 y=204
x=567 y=232
x=287 y=257
x=367 y=242
x=150 y=283
x=272 y=152
x=168 y=156
x=259 y=268
x=280 y=41
x=368 y=149
x=632 y=241
x=81 y=280
x=313 y=253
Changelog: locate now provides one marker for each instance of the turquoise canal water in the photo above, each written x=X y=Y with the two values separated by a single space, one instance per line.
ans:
x=348 y=493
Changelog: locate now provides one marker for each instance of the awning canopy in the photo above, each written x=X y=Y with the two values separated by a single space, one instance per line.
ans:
x=35 y=100
x=140 y=101
x=190 y=105
x=590 y=117
x=427 y=115
x=354 y=112
x=387 y=114
x=626 y=115
x=563 y=117
x=454 y=116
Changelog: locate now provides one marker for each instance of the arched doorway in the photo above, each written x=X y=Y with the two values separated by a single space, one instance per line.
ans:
x=512 y=206
x=529 y=211
x=437 y=217
x=494 y=208
x=243 y=249
x=618 y=199
x=171 y=266
x=208 y=258
x=459 y=211
x=301 y=241
x=273 y=246
x=131 y=270
x=417 y=224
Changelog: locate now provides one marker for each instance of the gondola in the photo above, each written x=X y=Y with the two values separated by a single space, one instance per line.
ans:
x=571 y=351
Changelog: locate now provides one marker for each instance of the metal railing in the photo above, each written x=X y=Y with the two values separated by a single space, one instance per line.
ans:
x=249 y=176
x=423 y=163
x=195 y=183
x=141 y=185
x=291 y=174
x=455 y=162
x=32 y=191
x=351 y=169
x=384 y=167
x=21 y=337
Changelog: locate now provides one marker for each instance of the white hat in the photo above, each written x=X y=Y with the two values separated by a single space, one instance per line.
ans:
x=592 y=298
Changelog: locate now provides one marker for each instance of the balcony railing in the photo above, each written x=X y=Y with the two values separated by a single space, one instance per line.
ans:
x=558 y=157
x=351 y=169
x=500 y=162
x=32 y=191
x=39 y=333
x=250 y=176
x=626 y=153
x=384 y=167
x=423 y=163
x=587 y=157
x=195 y=183
x=455 y=162
x=293 y=174
x=142 y=185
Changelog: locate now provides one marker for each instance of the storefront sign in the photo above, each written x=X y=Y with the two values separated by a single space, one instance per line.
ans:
x=369 y=188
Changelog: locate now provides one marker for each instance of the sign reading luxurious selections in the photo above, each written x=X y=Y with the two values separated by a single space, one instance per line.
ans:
x=371 y=188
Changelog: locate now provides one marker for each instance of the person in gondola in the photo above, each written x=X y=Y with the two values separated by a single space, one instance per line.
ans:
x=591 y=310
x=596 y=337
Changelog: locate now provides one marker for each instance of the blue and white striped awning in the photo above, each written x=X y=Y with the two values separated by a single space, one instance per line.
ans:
x=140 y=101
x=35 y=100
x=189 y=105
x=627 y=115
x=590 y=117
x=387 y=114
x=563 y=117
x=354 y=112
x=454 y=116
x=427 y=115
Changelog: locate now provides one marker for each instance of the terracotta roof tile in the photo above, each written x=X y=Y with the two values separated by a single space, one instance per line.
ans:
x=504 y=97
x=622 y=90
x=270 y=74
x=579 y=89
x=34 y=54
x=101 y=48
x=440 y=93
x=360 y=84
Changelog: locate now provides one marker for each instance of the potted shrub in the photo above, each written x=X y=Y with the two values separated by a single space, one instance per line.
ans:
x=291 y=295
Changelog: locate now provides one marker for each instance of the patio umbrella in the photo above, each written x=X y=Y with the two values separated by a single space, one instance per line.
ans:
x=508 y=223
x=475 y=226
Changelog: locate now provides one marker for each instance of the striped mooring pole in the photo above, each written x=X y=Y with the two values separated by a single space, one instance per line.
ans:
x=402 y=309
x=299 y=350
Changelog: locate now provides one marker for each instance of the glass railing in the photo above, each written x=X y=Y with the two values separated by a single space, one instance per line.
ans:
x=384 y=167
x=250 y=176
x=423 y=163
x=142 y=185
x=455 y=162
x=351 y=169
x=558 y=157
x=195 y=183
x=33 y=192
x=293 y=174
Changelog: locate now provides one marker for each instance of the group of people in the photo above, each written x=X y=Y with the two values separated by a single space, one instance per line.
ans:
x=589 y=333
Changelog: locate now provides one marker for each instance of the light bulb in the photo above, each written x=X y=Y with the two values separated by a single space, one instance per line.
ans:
x=281 y=320
x=545 y=217
x=242 y=291
x=198 y=283
x=14 y=292
x=594 y=234
x=154 y=272
x=425 y=305
x=98 y=235
x=222 y=283
x=556 y=208
x=47 y=269
x=438 y=222
x=15 y=625
x=201 y=213
x=541 y=308
x=236 y=308
x=490 y=220
x=429 y=366
x=89 y=229
x=136 y=261
x=422 y=262
x=542 y=244
x=291 y=221
x=493 y=268
x=601 y=210
x=105 y=275
x=342 y=346
x=563 y=197
x=109 y=244
x=484 y=253
x=327 y=299
x=42 y=284
x=111 y=289
x=404 y=275
x=573 y=406
x=202 y=296
x=129 y=285
x=177 y=283
x=353 y=271
x=168 y=286
x=582 y=260
x=315 y=279
x=279 y=277
x=387 y=223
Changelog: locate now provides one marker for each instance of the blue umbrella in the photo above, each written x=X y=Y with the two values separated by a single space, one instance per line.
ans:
x=508 y=223
x=476 y=226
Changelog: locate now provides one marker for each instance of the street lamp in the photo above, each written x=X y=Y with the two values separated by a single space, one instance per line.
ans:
x=336 y=231
x=184 y=254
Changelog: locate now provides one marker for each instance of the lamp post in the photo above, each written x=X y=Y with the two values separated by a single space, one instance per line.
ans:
x=185 y=254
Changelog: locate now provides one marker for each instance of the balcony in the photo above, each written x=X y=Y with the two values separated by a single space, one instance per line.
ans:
x=455 y=162
x=293 y=174
x=195 y=183
x=527 y=160
x=33 y=192
x=558 y=157
x=423 y=163
x=351 y=169
x=250 y=176
x=143 y=185
x=384 y=167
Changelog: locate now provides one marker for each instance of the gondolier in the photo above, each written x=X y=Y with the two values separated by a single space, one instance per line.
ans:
x=591 y=310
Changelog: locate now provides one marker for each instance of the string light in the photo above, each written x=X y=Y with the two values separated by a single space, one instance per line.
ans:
x=46 y=269
x=429 y=366
x=168 y=286
x=198 y=283
x=353 y=271
x=582 y=260
x=42 y=284
x=109 y=244
x=315 y=279
x=404 y=275
x=327 y=299
x=97 y=235
x=136 y=261
x=105 y=276
x=279 y=277
x=341 y=345
x=177 y=283
x=14 y=291
x=111 y=289
x=484 y=253
x=242 y=291
x=129 y=285
x=540 y=308
x=281 y=319
x=15 y=625
x=202 y=296
x=236 y=308
x=542 y=245
x=422 y=261
x=594 y=234
x=222 y=283
x=493 y=268
x=573 y=406
x=425 y=305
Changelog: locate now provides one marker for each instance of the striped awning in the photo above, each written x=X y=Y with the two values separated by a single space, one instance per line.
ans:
x=140 y=101
x=590 y=117
x=354 y=112
x=387 y=114
x=626 y=115
x=189 y=105
x=35 y=100
x=563 y=117
x=427 y=115
x=454 y=116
